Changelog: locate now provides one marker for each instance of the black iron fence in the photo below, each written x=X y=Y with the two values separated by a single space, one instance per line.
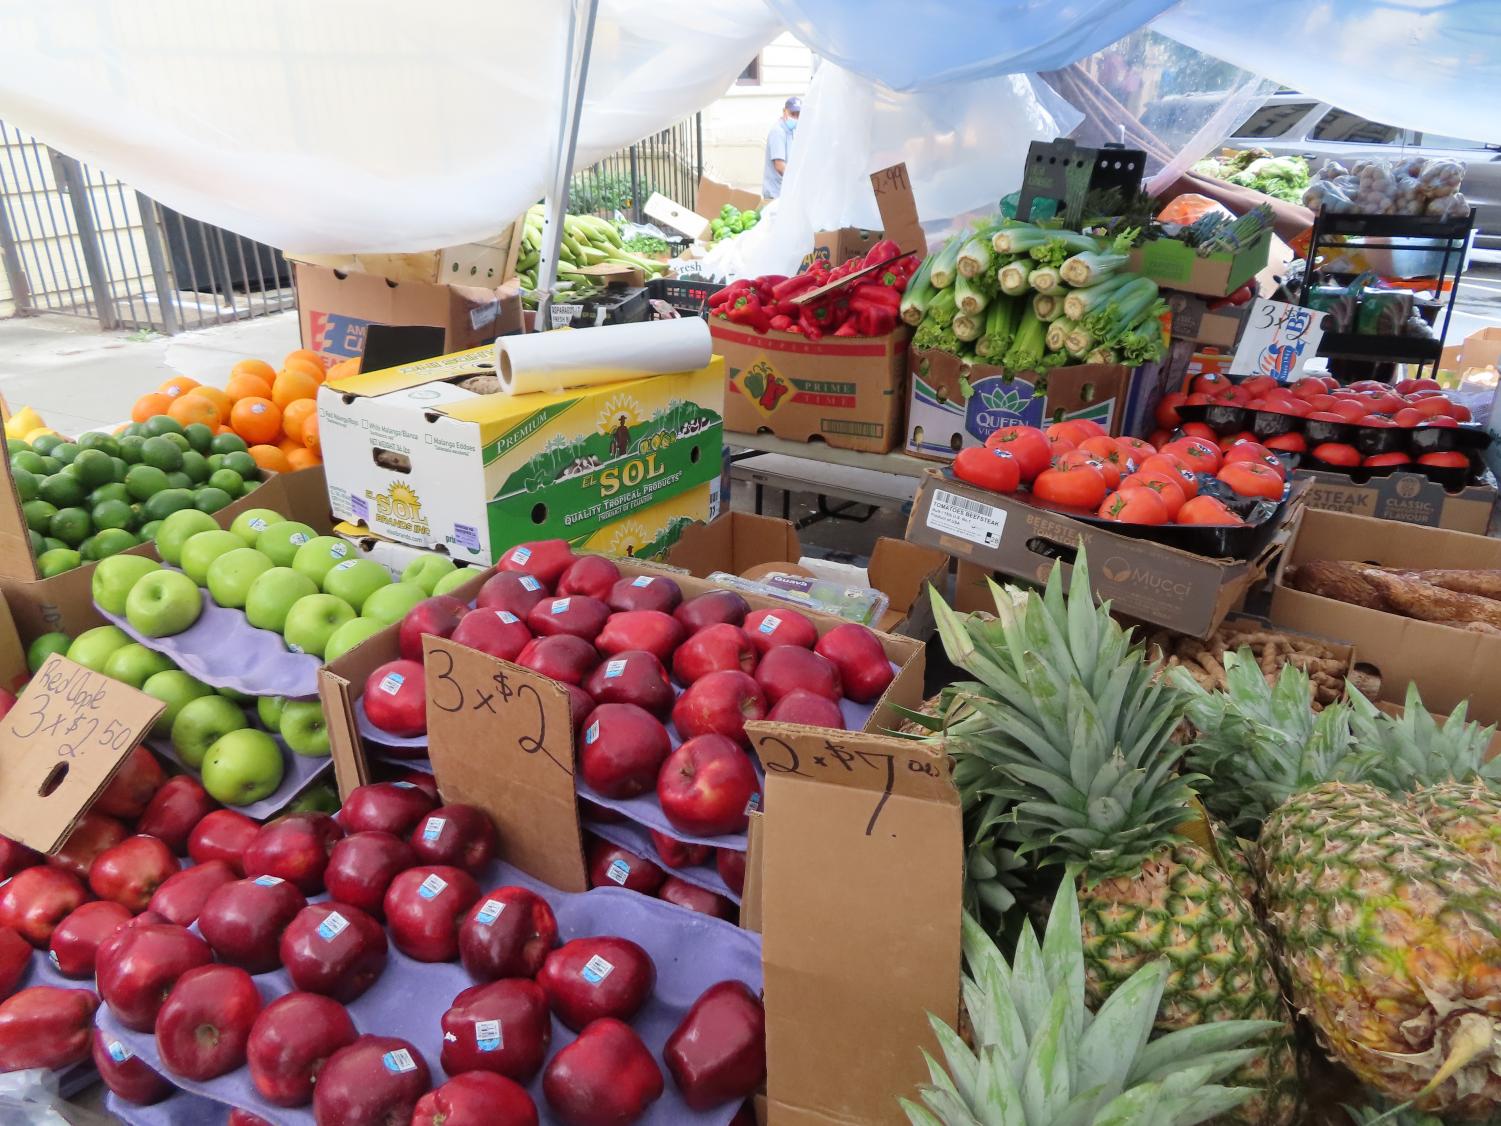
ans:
x=670 y=162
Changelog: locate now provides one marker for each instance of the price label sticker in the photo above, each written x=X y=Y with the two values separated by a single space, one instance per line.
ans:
x=596 y=969
x=1279 y=339
x=769 y=624
x=489 y=912
x=591 y=735
x=432 y=829
x=430 y=887
x=399 y=1061
x=119 y=1052
x=614 y=668
x=487 y=1036
x=969 y=519
x=268 y=881
x=520 y=555
x=506 y=616
x=391 y=683
x=333 y=925
x=559 y=606
x=643 y=580
x=618 y=872
x=529 y=583
x=564 y=314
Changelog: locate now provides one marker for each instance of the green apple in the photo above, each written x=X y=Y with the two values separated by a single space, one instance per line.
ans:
x=273 y=594
x=243 y=767
x=268 y=710
x=316 y=557
x=244 y=699
x=113 y=578
x=177 y=528
x=231 y=575
x=134 y=664
x=163 y=603
x=450 y=582
x=304 y=729
x=173 y=688
x=317 y=798
x=312 y=620
x=202 y=549
x=93 y=647
x=350 y=634
x=201 y=723
x=282 y=541
x=389 y=604
x=43 y=647
x=249 y=524
x=355 y=580
x=426 y=570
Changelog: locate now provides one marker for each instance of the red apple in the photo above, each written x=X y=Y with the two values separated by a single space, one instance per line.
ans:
x=601 y=976
x=385 y=807
x=707 y=787
x=458 y=834
x=129 y=791
x=507 y=933
x=140 y=969
x=335 y=949
x=376 y=1081
x=862 y=662
x=439 y=616
x=222 y=835
x=768 y=629
x=730 y=865
x=710 y=608
x=678 y=854
x=562 y=657
x=592 y=575
x=240 y=1117
x=499 y=633
x=546 y=559
x=694 y=898
x=125 y=1074
x=182 y=895
x=718 y=1053
x=788 y=668
x=622 y=749
x=76 y=940
x=720 y=703
x=476 y=1098
x=808 y=708
x=422 y=779
x=45 y=1026
x=295 y=847
x=14 y=856
x=632 y=677
x=423 y=909
x=658 y=633
x=175 y=811
x=395 y=698
x=289 y=1043
x=15 y=959
x=92 y=835
x=580 y=704
x=131 y=871
x=577 y=614
x=107 y=949
x=510 y=590
x=645 y=592
x=501 y=1026
x=35 y=900
x=243 y=921
x=204 y=1024
x=717 y=648
x=607 y=1077
x=362 y=866
x=609 y=864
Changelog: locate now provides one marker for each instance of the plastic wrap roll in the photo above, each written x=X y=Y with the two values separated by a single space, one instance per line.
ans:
x=551 y=361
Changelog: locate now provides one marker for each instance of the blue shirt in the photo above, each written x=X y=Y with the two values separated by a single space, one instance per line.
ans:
x=778 y=147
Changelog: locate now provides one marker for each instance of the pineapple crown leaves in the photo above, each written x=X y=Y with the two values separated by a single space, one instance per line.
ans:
x=1416 y=750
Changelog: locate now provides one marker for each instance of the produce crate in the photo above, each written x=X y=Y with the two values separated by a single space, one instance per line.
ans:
x=1408 y=497
x=689 y=296
x=1173 y=265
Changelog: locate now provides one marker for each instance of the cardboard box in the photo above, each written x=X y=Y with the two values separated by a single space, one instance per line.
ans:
x=1173 y=265
x=694 y=221
x=1194 y=320
x=415 y=458
x=335 y=310
x=1481 y=349
x=1408 y=497
x=838 y=246
x=712 y=195
x=1449 y=665
x=486 y=263
x=1162 y=585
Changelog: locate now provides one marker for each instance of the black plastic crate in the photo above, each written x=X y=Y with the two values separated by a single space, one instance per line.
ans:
x=689 y=296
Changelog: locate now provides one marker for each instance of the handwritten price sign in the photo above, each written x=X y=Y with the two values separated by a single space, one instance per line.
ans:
x=59 y=746
x=1278 y=340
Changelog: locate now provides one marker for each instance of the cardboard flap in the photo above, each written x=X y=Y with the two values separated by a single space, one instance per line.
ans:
x=610 y=273
x=60 y=745
x=879 y=818
x=898 y=208
x=501 y=737
x=675 y=215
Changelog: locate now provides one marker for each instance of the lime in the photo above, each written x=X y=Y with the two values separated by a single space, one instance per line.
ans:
x=64 y=452
x=243 y=464
x=62 y=490
x=44 y=646
x=48 y=543
x=177 y=479
x=113 y=491
x=195 y=465
x=71 y=525
x=58 y=560
x=15 y=446
x=113 y=514
x=37 y=544
x=112 y=541
x=46 y=443
x=226 y=479
x=161 y=424
x=228 y=444
x=96 y=440
x=249 y=487
x=200 y=437
x=93 y=468
x=119 y=467
x=26 y=484
x=51 y=465
x=130 y=447
x=161 y=505
x=161 y=453
x=210 y=499
x=148 y=530
x=29 y=460
x=145 y=480
x=133 y=430
x=38 y=514
x=215 y=462
x=180 y=441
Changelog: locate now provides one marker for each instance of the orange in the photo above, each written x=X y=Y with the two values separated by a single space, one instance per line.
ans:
x=303 y=459
x=310 y=434
x=344 y=368
x=245 y=386
x=215 y=396
x=224 y=430
x=188 y=409
x=149 y=406
x=269 y=457
x=258 y=368
x=305 y=368
x=287 y=445
x=177 y=385
x=294 y=415
x=292 y=385
x=256 y=419
x=306 y=356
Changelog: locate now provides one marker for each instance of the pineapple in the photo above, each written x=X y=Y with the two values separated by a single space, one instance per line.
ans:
x=1042 y=1058
x=1390 y=936
x=1063 y=749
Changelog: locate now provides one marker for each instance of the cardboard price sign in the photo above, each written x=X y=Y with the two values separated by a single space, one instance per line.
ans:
x=60 y=745
x=500 y=737
x=1278 y=340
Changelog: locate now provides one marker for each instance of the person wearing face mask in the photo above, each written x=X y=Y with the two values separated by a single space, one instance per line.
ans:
x=779 y=147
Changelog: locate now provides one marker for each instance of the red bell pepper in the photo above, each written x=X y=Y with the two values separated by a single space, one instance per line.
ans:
x=781 y=322
x=883 y=251
x=876 y=295
x=746 y=310
x=791 y=287
x=729 y=292
x=808 y=319
x=848 y=328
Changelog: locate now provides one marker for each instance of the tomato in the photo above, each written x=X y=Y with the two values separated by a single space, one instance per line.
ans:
x=1337 y=453
x=1460 y=413
x=1136 y=449
x=1368 y=385
x=1290 y=443
x=1200 y=430
x=1209 y=383
x=1408 y=386
x=1424 y=394
x=1058 y=444
x=1110 y=450
x=1237 y=395
x=1382 y=460
x=1134 y=506
x=1207 y=510
x=1445 y=459
x=1307 y=389
x=1408 y=417
x=996 y=470
x=1199 y=399
x=1173 y=466
x=1026 y=444
x=1380 y=421
x=1170 y=489
x=1074 y=429
x=1167 y=409
x=1329 y=416
x=1159 y=438
x=1385 y=404
x=1093 y=428
x=1075 y=486
x=1431 y=405
x=1259 y=385
x=1256 y=452
x=1234 y=439
x=1075 y=458
x=1349 y=411
x=1296 y=407
x=1197 y=454
x=1252 y=479
x=1438 y=420
x=1321 y=402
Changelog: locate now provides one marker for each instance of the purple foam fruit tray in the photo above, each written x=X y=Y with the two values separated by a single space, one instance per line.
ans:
x=372 y=734
x=177 y=1109
x=629 y=835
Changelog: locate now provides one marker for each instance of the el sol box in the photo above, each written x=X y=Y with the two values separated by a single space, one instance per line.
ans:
x=423 y=454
